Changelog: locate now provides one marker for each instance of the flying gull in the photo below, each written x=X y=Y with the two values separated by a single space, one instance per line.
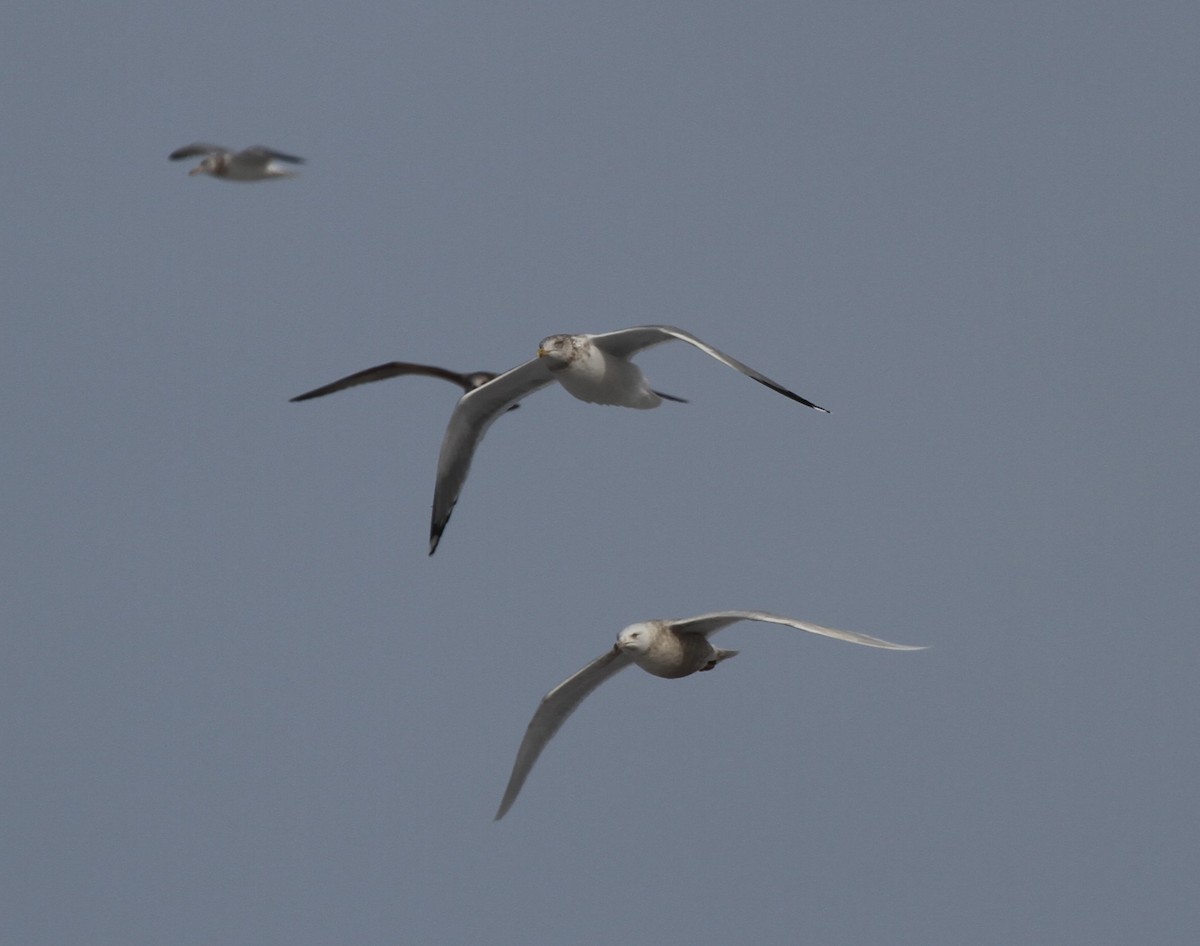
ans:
x=395 y=369
x=255 y=163
x=593 y=368
x=664 y=648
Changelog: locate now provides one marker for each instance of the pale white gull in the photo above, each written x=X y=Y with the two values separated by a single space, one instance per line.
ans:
x=255 y=163
x=664 y=648
x=593 y=368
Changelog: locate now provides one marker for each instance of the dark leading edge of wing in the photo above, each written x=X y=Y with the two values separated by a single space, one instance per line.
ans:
x=393 y=369
x=195 y=150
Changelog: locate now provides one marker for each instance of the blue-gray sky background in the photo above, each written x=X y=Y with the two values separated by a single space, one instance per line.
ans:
x=240 y=705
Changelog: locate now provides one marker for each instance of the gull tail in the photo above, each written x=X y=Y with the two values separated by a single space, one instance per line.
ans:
x=717 y=657
x=672 y=397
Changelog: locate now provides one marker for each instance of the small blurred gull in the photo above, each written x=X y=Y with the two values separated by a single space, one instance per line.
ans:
x=255 y=163
x=664 y=648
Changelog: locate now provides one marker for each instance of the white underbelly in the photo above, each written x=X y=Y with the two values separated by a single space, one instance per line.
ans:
x=604 y=380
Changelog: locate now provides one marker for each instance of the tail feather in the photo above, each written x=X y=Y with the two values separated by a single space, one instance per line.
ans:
x=717 y=656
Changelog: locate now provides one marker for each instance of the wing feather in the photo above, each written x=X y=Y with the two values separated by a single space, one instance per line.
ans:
x=266 y=154
x=710 y=623
x=552 y=712
x=194 y=150
x=630 y=341
x=393 y=369
x=473 y=415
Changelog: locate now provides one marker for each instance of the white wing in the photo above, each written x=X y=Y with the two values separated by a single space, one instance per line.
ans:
x=474 y=413
x=629 y=341
x=552 y=712
x=709 y=623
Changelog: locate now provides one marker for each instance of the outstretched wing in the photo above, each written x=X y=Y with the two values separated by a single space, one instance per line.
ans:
x=393 y=369
x=194 y=150
x=552 y=712
x=709 y=623
x=629 y=341
x=265 y=154
x=473 y=414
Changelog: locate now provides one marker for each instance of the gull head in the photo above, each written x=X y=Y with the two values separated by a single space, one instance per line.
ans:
x=477 y=379
x=562 y=350
x=637 y=638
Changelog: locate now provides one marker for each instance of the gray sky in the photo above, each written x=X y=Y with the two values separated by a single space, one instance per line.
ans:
x=240 y=705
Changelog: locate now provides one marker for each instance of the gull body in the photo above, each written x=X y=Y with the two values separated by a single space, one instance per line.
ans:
x=591 y=374
x=592 y=368
x=664 y=648
x=255 y=163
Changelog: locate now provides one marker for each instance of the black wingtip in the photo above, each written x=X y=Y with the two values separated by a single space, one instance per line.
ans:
x=780 y=389
x=436 y=529
x=807 y=403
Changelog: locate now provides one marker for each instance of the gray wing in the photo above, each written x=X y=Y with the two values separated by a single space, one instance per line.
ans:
x=473 y=414
x=629 y=341
x=393 y=369
x=552 y=712
x=264 y=154
x=195 y=149
x=709 y=623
